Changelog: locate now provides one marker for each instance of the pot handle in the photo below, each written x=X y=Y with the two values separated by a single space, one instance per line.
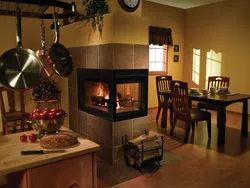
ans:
x=56 y=24
x=43 y=37
x=18 y=27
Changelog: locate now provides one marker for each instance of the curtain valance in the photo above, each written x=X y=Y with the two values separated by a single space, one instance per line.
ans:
x=160 y=36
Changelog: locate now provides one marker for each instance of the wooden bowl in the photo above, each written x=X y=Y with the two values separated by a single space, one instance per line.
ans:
x=223 y=89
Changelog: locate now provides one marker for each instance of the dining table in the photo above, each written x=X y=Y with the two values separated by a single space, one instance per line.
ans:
x=221 y=101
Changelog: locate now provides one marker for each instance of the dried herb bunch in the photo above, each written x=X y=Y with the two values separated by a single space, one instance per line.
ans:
x=94 y=11
x=46 y=89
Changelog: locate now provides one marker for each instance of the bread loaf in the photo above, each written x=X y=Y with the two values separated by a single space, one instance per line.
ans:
x=61 y=140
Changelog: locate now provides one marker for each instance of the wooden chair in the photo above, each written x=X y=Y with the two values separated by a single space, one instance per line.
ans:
x=12 y=115
x=217 y=82
x=163 y=85
x=182 y=111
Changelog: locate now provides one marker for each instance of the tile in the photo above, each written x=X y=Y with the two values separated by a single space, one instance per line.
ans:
x=92 y=56
x=82 y=123
x=78 y=56
x=141 y=56
x=72 y=79
x=106 y=132
x=92 y=125
x=73 y=99
x=106 y=56
x=118 y=154
x=141 y=120
x=105 y=153
x=73 y=119
x=120 y=129
x=139 y=125
x=123 y=56
x=138 y=129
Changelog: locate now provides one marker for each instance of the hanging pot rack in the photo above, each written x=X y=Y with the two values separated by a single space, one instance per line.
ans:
x=36 y=8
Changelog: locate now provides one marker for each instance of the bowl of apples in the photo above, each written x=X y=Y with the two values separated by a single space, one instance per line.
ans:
x=48 y=120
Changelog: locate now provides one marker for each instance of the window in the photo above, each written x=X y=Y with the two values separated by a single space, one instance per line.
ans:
x=157 y=58
x=196 y=66
x=213 y=65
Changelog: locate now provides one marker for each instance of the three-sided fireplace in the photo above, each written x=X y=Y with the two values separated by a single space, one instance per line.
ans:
x=113 y=94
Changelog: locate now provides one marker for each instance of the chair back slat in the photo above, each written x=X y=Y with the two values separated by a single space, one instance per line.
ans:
x=180 y=101
x=162 y=85
x=11 y=100
x=218 y=81
x=2 y=107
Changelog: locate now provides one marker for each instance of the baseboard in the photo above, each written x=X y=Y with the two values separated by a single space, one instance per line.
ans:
x=236 y=113
x=153 y=108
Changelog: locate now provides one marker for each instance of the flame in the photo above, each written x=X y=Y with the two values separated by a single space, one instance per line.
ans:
x=117 y=102
x=128 y=90
x=102 y=91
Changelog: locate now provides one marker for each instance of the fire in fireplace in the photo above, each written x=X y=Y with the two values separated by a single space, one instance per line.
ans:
x=113 y=94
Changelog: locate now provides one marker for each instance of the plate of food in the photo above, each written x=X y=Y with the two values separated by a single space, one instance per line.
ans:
x=194 y=91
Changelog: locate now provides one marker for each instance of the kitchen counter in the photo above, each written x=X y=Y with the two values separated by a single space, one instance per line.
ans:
x=11 y=161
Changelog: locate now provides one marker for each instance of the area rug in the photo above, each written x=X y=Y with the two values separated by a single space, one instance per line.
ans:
x=113 y=175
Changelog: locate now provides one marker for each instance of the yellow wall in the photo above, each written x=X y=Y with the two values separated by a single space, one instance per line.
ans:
x=223 y=27
x=82 y=34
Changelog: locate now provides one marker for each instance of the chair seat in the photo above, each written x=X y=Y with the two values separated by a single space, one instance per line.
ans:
x=11 y=116
x=207 y=106
x=199 y=115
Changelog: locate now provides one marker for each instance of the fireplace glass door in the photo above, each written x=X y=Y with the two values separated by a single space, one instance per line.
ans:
x=128 y=97
x=97 y=95
x=113 y=94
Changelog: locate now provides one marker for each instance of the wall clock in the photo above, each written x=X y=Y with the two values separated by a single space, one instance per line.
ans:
x=129 y=5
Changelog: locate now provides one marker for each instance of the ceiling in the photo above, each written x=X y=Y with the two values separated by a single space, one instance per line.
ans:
x=185 y=4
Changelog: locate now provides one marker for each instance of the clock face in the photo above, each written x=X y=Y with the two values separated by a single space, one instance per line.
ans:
x=129 y=5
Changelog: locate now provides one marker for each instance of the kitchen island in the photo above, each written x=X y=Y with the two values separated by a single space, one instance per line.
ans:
x=72 y=167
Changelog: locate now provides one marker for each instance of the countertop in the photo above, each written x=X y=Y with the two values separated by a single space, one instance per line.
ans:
x=12 y=161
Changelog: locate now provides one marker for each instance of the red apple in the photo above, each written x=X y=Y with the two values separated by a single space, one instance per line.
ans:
x=41 y=116
x=23 y=138
x=51 y=117
x=52 y=113
x=37 y=110
x=62 y=111
x=31 y=115
x=45 y=114
x=36 y=115
x=46 y=109
x=59 y=114
x=53 y=110
x=32 y=137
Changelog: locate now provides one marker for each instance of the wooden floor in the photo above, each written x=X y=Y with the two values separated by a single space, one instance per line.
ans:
x=205 y=165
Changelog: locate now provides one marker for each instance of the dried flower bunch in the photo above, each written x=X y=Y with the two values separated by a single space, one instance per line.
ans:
x=46 y=89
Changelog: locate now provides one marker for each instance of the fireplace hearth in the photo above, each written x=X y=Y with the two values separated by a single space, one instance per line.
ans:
x=113 y=95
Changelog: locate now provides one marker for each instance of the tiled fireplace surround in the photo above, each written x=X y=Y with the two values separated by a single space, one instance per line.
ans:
x=106 y=133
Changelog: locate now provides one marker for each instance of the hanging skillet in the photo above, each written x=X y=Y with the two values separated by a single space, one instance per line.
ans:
x=20 y=68
x=59 y=55
x=48 y=69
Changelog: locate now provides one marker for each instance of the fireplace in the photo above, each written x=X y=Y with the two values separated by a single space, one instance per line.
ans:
x=113 y=95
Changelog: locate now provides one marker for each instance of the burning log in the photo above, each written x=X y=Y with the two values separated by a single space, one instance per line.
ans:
x=100 y=101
